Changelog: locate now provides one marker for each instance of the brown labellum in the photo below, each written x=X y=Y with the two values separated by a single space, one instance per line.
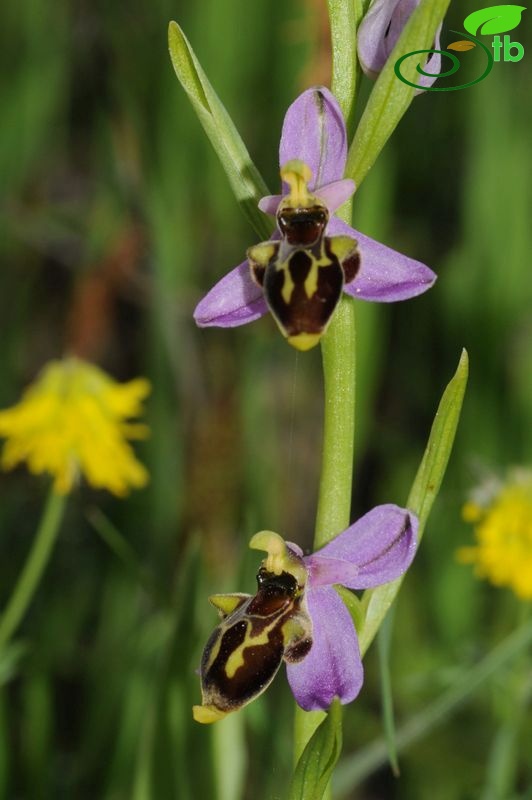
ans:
x=247 y=648
x=303 y=275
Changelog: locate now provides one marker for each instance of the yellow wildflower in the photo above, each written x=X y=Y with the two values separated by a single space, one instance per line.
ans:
x=503 y=533
x=72 y=421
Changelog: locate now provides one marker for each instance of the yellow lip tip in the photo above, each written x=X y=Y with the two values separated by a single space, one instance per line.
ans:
x=304 y=341
x=207 y=714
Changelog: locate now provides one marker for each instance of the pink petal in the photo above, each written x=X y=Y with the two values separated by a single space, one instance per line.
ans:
x=314 y=132
x=270 y=203
x=385 y=275
x=378 y=34
x=401 y=15
x=335 y=194
x=372 y=43
x=378 y=548
x=333 y=667
x=433 y=65
x=234 y=300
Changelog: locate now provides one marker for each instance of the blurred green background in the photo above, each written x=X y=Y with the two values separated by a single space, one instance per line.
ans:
x=115 y=218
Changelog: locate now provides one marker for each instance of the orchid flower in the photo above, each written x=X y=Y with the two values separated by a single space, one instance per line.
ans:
x=296 y=616
x=378 y=34
x=313 y=153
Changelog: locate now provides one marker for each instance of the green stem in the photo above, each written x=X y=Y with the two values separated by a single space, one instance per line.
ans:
x=343 y=21
x=338 y=354
x=33 y=568
x=334 y=503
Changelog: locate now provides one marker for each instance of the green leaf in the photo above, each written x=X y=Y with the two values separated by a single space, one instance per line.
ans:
x=315 y=767
x=495 y=19
x=426 y=485
x=244 y=177
x=391 y=97
x=434 y=463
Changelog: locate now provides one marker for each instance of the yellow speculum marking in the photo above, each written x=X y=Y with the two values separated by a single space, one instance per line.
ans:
x=311 y=281
x=236 y=659
x=288 y=283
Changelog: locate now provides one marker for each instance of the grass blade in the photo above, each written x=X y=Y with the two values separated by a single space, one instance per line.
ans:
x=354 y=770
x=423 y=493
x=244 y=177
